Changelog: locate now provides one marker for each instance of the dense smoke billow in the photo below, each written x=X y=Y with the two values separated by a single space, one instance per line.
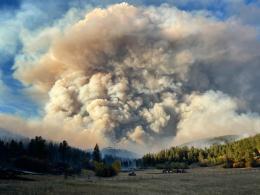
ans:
x=141 y=78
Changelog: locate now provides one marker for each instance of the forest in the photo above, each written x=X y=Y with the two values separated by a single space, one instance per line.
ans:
x=39 y=155
x=238 y=154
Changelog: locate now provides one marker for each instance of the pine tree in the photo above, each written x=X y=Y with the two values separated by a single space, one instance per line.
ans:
x=37 y=148
x=63 y=149
x=96 y=154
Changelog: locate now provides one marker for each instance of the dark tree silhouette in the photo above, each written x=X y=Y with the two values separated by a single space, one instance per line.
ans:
x=96 y=154
x=37 y=148
x=64 y=150
x=40 y=155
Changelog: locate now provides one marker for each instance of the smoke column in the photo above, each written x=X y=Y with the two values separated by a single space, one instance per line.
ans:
x=142 y=78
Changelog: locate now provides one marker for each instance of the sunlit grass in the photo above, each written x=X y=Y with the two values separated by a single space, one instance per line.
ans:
x=196 y=181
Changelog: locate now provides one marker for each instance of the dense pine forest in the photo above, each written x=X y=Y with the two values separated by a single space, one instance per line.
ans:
x=42 y=156
x=238 y=154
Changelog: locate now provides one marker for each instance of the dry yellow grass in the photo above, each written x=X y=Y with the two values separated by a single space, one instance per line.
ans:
x=196 y=181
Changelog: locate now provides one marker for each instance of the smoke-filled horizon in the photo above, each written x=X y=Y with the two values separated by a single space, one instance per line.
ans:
x=139 y=77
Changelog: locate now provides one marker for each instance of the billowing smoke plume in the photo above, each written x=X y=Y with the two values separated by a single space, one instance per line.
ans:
x=144 y=77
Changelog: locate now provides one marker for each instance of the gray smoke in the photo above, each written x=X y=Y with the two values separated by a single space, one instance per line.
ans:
x=145 y=77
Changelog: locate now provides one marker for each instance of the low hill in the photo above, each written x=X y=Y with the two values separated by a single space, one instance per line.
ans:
x=205 y=143
x=234 y=154
x=119 y=153
x=7 y=135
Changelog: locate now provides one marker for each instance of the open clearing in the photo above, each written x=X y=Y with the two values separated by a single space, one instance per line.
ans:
x=195 y=181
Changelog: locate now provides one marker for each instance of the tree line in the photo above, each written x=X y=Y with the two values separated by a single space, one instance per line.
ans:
x=238 y=154
x=42 y=156
x=39 y=155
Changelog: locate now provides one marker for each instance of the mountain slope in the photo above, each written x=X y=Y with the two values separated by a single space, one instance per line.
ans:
x=119 y=153
x=202 y=143
x=7 y=135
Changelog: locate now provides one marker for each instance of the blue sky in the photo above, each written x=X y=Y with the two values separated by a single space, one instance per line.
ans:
x=34 y=14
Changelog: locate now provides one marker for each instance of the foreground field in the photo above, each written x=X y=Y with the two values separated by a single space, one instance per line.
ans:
x=195 y=181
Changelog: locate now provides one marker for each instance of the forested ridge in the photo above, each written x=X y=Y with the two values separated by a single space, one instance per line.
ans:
x=42 y=156
x=238 y=154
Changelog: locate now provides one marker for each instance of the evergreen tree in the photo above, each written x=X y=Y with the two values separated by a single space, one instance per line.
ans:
x=96 y=154
x=64 y=150
x=37 y=148
x=245 y=152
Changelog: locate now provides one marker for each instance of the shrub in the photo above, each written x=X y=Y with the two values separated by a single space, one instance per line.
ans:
x=173 y=165
x=179 y=165
x=162 y=166
x=228 y=163
x=203 y=163
x=251 y=163
x=240 y=164
x=256 y=163
x=103 y=170
x=116 y=166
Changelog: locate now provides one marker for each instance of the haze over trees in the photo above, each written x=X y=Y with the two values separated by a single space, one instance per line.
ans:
x=238 y=154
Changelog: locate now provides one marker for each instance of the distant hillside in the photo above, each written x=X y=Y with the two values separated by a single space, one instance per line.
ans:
x=7 y=135
x=119 y=153
x=234 y=154
x=205 y=143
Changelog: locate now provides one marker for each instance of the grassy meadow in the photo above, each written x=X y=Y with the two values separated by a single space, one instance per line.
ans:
x=195 y=181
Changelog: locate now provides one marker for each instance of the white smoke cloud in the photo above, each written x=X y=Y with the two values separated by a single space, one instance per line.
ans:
x=214 y=113
x=140 y=77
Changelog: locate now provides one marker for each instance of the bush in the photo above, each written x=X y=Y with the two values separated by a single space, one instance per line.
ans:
x=211 y=162
x=203 y=163
x=103 y=170
x=228 y=163
x=251 y=163
x=116 y=166
x=179 y=165
x=162 y=166
x=240 y=164
x=173 y=165
x=256 y=163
